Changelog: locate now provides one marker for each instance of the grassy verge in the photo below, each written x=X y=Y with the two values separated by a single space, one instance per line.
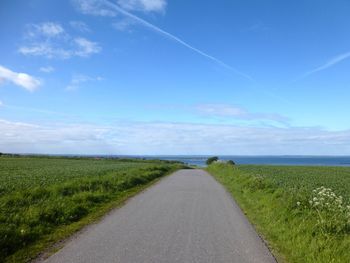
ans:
x=294 y=208
x=50 y=205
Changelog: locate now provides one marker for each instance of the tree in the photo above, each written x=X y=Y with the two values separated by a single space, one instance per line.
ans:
x=211 y=160
x=231 y=162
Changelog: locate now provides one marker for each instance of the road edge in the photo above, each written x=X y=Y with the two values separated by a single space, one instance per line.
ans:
x=278 y=258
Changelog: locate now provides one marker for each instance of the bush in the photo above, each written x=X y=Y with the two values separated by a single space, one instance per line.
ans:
x=212 y=159
x=230 y=162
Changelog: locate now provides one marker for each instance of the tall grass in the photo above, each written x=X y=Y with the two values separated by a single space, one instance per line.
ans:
x=280 y=202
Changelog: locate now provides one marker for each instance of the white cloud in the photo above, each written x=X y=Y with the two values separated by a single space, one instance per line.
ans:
x=1 y=103
x=101 y=8
x=79 y=79
x=43 y=43
x=20 y=79
x=80 y=26
x=51 y=29
x=169 y=138
x=47 y=69
x=48 y=29
x=51 y=138
x=45 y=49
x=143 y=5
x=93 y=7
x=86 y=47
x=330 y=63
x=230 y=111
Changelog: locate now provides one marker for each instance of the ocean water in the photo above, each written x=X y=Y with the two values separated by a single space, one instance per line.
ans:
x=267 y=160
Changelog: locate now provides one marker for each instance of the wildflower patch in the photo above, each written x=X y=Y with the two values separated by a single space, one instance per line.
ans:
x=333 y=214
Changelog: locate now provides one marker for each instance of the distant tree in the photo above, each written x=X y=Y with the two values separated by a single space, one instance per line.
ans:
x=231 y=162
x=0 y=153
x=212 y=159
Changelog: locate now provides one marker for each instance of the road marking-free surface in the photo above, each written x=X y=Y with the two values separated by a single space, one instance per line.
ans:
x=186 y=217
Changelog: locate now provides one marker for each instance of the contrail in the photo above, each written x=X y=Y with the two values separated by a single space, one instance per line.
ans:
x=176 y=39
x=330 y=63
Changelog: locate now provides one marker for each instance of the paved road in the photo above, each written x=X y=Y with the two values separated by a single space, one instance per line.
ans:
x=186 y=217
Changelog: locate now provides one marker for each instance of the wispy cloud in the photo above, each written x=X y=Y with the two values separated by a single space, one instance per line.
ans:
x=106 y=5
x=50 y=40
x=78 y=79
x=20 y=79
x=29 y=137
x=330 y=63
x=231 y=111
x=93 y=7
x=99 y=8
x=86 y=47
x=47 y=69
x=48 y=29
x=43 y=49
x=168 y=138
x=1 y=103
x=80 y=26
x=143 y=5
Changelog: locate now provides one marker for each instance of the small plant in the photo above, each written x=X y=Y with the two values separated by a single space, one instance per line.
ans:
x=212 y=160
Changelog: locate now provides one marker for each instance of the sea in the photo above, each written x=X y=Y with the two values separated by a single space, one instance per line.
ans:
x=260 y=160
x=199 y=160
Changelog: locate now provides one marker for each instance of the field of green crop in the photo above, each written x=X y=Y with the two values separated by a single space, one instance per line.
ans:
x=304 y=178
x=303 y=212
x=41 y=196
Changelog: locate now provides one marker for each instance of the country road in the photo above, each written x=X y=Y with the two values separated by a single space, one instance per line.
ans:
x=186 y=217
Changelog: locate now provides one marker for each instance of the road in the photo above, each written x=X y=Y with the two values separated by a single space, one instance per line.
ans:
x=186 y=217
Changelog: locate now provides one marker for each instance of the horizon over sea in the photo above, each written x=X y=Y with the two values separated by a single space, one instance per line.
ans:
x=262 y=160
x=199 y=160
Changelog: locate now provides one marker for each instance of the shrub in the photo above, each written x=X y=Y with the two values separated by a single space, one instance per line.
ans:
x=212 y=159
x=230 y=162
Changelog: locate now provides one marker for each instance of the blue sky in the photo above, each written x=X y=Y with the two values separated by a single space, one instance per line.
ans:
x=175 y=77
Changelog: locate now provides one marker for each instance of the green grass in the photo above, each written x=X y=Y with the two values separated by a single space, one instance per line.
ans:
x=276 y=200
x=45 y=199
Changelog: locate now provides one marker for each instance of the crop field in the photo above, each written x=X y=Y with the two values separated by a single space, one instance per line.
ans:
x=40 y=196
x=26 y=173
x=304 y=178
x=303 y=212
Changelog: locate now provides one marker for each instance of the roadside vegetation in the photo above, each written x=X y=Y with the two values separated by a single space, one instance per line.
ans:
x=45 y=199
x=302 y=212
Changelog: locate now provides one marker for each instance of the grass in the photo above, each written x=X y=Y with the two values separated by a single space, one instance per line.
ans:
x=43 y=200
x=279 y=201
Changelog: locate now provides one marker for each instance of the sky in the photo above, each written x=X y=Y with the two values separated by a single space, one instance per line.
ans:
x=166 y=77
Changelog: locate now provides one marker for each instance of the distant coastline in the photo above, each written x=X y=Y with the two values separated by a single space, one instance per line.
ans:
x=199 y=160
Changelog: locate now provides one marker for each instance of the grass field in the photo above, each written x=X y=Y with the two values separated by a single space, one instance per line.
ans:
x=43 y=199
x=303 y=212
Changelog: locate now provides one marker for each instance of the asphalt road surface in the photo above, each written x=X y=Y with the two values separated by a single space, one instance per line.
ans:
x=186 y=217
